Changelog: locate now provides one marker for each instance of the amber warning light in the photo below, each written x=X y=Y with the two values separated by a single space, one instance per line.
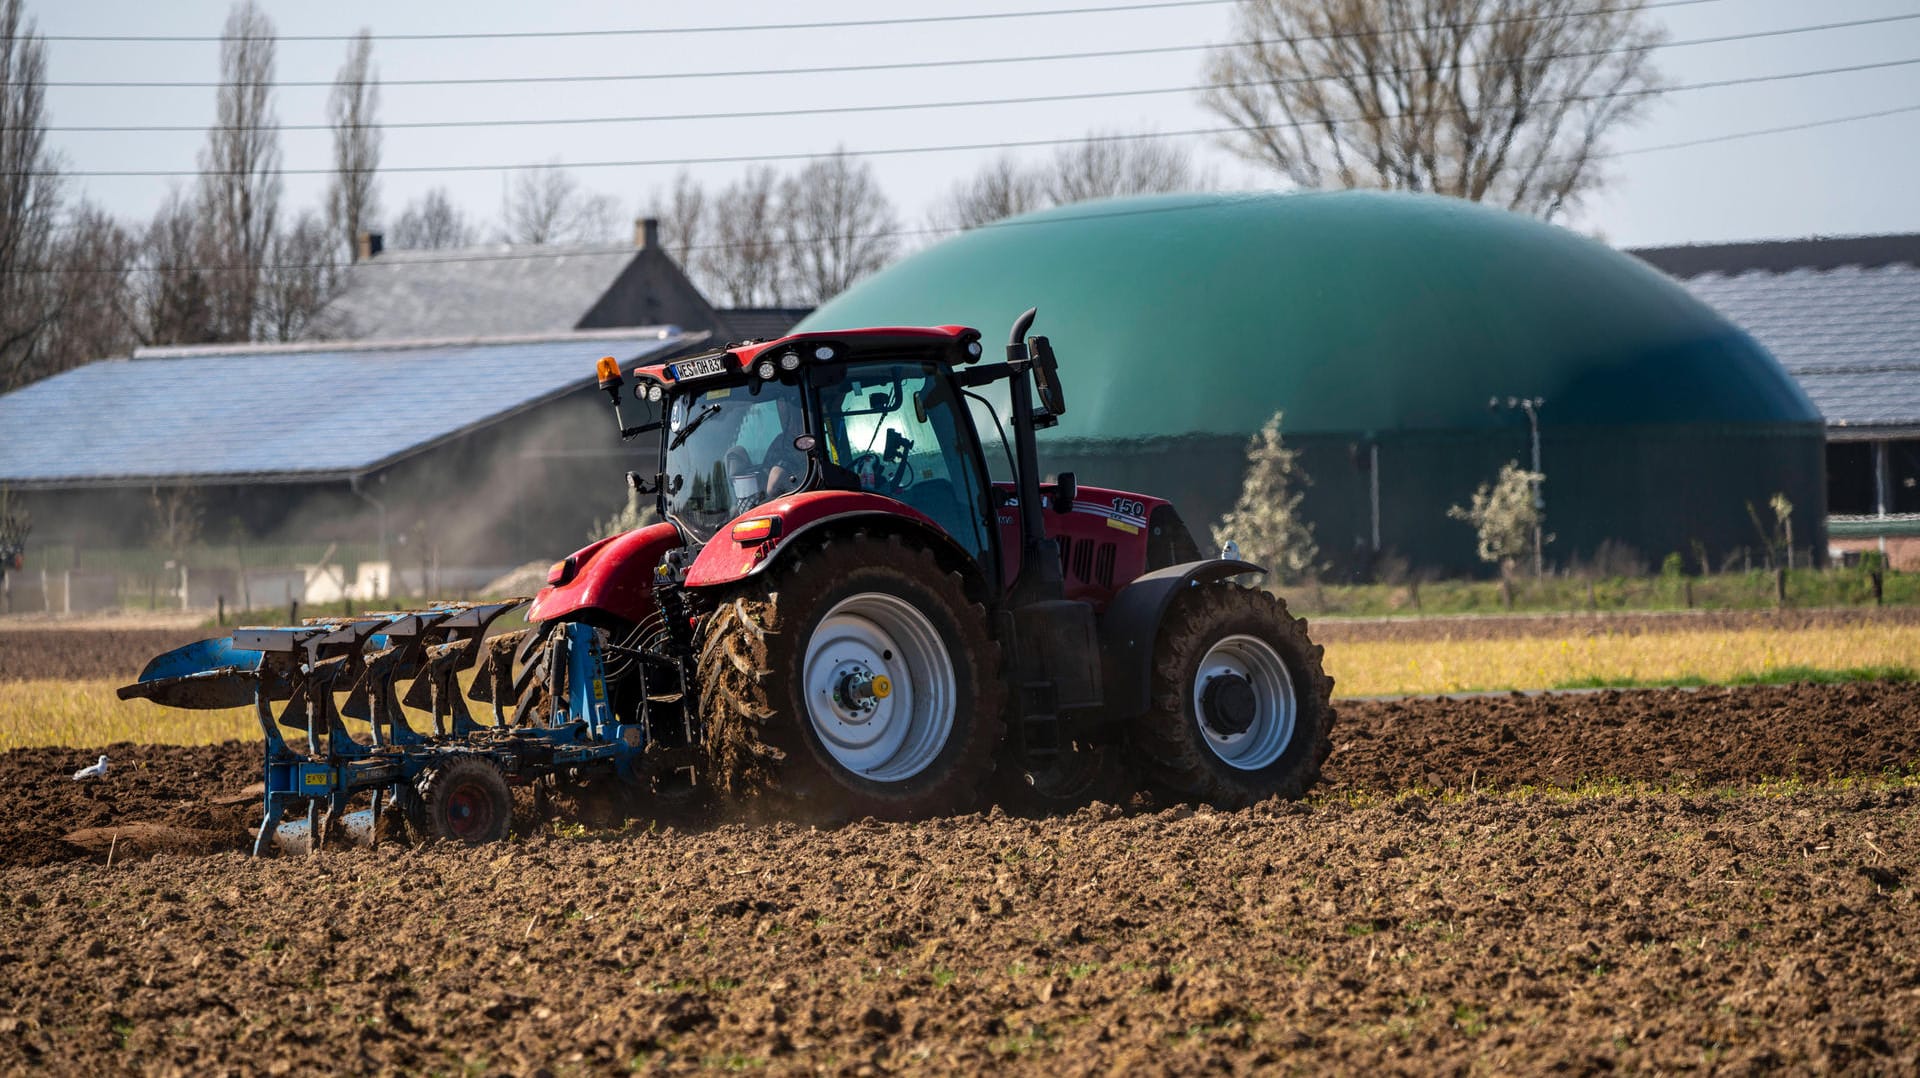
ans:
x=609 y=370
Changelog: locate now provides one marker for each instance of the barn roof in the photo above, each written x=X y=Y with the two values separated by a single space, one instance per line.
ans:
x=289 y=413
x=1843 y=316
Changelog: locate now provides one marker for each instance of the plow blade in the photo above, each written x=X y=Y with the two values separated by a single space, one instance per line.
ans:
x=202 y=675
x=352 y=828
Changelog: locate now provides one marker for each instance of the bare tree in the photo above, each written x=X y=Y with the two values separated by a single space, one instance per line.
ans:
x=303 y=275
x=29 y=202
x=15 y=526
x=1102 y=166
x=743 y=263
x=173 y=290
x=432 y=221
x=95 y=259
x=353 y=203
x=1501 y=101
x=1107 y=166
x=682 y=213
x=1003 y=188
x=239 y=172
x=547 y=205
x=837 y=226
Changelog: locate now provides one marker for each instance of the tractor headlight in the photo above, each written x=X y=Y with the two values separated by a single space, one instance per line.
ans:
x=790 y=361
x=766 y=370
x=824 y=352
x=653 y=392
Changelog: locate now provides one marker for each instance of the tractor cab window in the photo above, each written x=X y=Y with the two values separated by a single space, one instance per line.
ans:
x=896 y=427
x=729 y=449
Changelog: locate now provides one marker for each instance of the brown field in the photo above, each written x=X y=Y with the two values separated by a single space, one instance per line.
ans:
x=1657 y=880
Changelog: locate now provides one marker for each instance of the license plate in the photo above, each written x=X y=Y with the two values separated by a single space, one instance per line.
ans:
x=697 y=368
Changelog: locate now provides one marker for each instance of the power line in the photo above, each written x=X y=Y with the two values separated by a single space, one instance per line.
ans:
x=500 y=80
x=650 y=31
x=523 y=254
x=899 y=151
x=973 y=103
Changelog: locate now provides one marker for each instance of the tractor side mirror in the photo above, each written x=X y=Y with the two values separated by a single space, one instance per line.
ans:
x=1046 y=376
x=642 y=485
x=1066 y=488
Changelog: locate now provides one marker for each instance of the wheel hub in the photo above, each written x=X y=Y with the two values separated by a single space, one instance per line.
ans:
x=880 y=687
x=1228 y=704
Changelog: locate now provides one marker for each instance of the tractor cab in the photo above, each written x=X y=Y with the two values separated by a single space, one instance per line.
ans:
x=874 y=412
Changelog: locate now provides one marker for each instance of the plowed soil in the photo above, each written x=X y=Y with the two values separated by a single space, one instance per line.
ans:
x=1471 y=925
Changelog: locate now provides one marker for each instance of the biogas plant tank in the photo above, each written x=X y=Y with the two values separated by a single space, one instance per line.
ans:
x=1383 y=325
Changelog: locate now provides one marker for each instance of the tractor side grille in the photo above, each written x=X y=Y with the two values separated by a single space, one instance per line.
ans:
x=1088 y=562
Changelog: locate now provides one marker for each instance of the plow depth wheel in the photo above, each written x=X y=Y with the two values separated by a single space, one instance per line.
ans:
x=464 y=800
x=1241 y=707
x=856 y=680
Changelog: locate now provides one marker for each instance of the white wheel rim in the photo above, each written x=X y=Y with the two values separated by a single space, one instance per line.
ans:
x=1266 y=738
x=890 y=737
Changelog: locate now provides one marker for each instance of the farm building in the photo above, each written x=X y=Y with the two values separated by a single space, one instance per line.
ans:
x=500 y=290
x=1843 y=316
x=1383 y=325
x=449 y=458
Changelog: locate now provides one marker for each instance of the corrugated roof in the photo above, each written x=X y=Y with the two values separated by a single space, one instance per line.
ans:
x=762 y=323
x=1850 y=335
x=277 y=414
x=475 y=291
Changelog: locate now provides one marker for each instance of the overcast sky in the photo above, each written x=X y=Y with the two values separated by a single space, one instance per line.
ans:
x=1851 y=178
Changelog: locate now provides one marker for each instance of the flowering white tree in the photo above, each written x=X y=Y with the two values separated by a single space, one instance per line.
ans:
x=1265 y=521
x=1504 y=516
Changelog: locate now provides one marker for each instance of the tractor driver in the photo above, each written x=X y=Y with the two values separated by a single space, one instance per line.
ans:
x=785 y=465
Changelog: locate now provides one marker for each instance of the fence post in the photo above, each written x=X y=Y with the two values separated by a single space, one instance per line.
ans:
x=220 y=611
x=293 y=611
x=1686 y=590
x=1779 y=587
x=1879 y=583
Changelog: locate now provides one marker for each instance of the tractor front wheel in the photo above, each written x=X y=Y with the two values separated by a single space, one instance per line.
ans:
x=856 y=680
x=1241 y=707
x=465 y=800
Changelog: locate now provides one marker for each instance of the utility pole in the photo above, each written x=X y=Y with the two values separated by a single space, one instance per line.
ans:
x=1531 y=406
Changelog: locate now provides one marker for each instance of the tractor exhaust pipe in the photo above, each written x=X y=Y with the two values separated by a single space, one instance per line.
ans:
x=1039 y=579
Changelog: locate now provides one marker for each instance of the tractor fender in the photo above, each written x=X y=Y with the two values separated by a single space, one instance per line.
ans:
x=1130 y=627
x=725 y=560
x=614 y=575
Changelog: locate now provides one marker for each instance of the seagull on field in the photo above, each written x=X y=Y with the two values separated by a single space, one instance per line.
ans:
x=88 y=774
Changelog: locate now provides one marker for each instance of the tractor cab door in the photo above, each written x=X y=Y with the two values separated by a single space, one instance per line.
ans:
x=898 y=426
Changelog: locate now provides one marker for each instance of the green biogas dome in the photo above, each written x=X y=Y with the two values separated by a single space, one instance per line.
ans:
x=1384 y=326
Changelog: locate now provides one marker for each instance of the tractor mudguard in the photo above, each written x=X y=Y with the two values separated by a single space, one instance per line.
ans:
x=1131 y=626
x=614 y=575
x=725 y=559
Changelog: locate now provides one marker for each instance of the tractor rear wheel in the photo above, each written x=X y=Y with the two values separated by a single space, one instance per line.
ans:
x=855 y=680
x=1241 y=708
x=465 y=799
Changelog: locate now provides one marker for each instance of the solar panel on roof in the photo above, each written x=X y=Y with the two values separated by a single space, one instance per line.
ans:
x=276 y=415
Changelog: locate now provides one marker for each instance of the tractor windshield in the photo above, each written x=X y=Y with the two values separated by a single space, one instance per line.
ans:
x=729 y=449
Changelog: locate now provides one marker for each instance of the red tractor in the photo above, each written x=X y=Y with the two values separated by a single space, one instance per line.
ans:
x=842 y=609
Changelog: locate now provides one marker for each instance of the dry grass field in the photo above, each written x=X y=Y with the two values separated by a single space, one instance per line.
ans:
x=80 y=708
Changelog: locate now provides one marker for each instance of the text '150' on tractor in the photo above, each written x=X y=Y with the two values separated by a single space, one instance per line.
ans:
x=842 y=611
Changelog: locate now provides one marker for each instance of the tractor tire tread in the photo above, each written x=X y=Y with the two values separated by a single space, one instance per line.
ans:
x=1165 y=739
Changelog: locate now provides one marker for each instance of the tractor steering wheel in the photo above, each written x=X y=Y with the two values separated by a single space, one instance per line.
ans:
x=872 y=470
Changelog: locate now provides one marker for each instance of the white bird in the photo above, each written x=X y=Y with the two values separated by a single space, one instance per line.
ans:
x=88 y=774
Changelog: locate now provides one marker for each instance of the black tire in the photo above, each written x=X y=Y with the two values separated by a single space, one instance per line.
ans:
x=761 y=739
x=464 y=799
x=1187 y=755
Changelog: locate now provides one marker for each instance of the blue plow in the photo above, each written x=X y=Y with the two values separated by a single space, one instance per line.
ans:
x=421 y=751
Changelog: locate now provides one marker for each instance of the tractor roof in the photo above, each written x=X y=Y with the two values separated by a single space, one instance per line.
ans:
x=948 y=344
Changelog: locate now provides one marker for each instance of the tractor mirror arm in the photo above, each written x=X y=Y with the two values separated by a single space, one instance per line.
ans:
x=988 y=374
